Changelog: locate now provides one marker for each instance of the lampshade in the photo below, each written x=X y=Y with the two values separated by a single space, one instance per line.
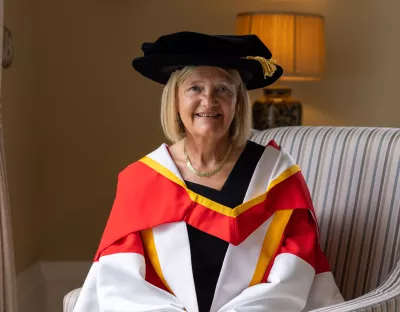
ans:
x=296 y=41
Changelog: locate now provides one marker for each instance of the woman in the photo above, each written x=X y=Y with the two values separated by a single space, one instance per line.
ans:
x=213 y=222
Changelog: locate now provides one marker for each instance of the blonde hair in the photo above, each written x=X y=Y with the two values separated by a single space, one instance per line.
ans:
x=172 y=125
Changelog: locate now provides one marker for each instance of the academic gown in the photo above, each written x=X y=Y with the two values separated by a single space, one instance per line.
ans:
x=153 y=253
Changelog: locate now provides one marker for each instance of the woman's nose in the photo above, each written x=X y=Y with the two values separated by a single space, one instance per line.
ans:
x=210 y=99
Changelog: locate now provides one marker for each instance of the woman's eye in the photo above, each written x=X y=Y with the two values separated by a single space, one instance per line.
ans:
x=224 y=89
x=195 y=88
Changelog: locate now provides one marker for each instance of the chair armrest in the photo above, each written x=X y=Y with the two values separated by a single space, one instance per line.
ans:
x=70 y=300
x=384 y=298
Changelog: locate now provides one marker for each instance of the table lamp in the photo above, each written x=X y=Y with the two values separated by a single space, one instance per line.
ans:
x=297 y=43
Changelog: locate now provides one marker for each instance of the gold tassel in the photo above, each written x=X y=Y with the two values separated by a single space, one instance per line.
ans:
x=269 y=66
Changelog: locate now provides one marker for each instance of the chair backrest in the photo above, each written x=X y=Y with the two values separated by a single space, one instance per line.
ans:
x=353 y=176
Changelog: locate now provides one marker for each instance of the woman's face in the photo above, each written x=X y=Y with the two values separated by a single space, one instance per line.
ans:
x=206 y=102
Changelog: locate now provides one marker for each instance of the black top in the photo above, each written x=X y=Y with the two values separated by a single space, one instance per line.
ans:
x=207 y=251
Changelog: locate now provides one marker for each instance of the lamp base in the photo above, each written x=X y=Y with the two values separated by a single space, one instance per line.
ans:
x=276 y=109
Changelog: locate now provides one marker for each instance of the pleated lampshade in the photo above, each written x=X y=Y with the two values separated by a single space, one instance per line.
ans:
x=296 y=41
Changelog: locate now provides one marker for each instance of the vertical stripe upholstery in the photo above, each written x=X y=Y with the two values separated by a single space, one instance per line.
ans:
x=353 y=175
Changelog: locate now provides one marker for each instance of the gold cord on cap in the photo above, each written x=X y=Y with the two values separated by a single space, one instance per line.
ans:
x=269 y=66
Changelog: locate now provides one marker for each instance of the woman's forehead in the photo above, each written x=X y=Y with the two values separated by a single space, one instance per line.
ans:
x=209 y=73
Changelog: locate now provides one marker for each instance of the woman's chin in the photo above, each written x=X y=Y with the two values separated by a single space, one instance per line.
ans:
x=210 y=132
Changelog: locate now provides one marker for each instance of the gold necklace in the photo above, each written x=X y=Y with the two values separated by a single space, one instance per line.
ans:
x=206 y=174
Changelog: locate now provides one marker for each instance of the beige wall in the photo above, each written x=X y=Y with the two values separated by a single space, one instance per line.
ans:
x=362 y=66
x=18 y=111
x=95 y=115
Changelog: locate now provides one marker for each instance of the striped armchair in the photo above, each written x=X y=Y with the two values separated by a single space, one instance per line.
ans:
x=354 y=178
